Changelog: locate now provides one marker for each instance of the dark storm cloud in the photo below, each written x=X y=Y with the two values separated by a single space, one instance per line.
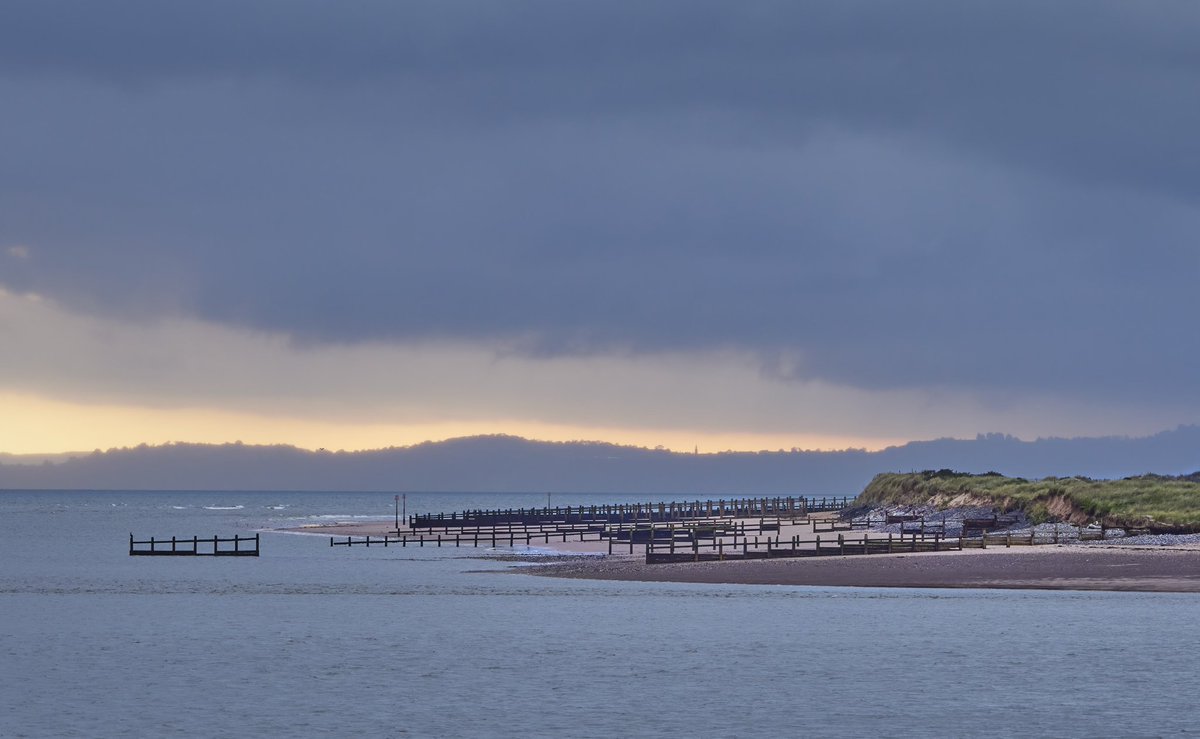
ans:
x=885 y=194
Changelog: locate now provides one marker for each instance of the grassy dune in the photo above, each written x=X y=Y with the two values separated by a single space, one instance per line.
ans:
x=1162 y=504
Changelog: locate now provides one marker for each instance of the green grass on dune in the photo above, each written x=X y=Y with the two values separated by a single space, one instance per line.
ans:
x=1151 y=501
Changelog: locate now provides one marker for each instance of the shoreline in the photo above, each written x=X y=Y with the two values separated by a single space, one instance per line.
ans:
x=1099 y=566
x=1042 y=568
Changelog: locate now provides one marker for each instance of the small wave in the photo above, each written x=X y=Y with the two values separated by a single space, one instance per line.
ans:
x=224 y=507
x=542 y=553
x=180 y=507
x=294 y=532
x=351 y=515
x=276 y=507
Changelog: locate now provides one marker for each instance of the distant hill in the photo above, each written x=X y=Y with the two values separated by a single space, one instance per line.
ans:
x=512 y=464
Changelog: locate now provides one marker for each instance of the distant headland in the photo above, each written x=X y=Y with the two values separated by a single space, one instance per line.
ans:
x=1158 y=504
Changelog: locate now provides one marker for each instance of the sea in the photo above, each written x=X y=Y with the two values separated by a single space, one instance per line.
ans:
x=313 y=640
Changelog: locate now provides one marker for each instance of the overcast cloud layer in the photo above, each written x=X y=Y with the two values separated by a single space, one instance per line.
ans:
x=992 y=199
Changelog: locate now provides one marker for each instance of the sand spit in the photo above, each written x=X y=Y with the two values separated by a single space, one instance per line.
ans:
x=1046 y=568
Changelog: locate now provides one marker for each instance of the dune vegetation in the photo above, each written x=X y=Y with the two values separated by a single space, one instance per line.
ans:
x=1155 y=502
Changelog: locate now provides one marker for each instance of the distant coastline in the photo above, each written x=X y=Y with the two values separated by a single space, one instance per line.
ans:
x=512 y=464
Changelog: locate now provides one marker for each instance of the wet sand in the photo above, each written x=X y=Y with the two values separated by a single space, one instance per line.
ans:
x=356 y=528
x=1045 y=568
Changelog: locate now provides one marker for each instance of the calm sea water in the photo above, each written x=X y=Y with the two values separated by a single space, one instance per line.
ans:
x=309 y=640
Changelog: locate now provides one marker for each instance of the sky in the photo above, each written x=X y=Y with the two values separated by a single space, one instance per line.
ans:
x=700 y=225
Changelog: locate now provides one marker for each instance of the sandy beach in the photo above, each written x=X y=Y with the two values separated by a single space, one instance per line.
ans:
x=1046 y=568
x=1064 y=567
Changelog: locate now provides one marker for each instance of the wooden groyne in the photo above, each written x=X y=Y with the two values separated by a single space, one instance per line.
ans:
x=777 y=547
x=216 y=546
x=712 y=530
x=704 y=530
x=841 y=545
x=494 y=538
x=621 y=534
x=1008 y=539
x=664 y=512
x=622 y=525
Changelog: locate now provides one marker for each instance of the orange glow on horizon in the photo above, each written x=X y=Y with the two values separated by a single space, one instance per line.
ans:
x=34 y=425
